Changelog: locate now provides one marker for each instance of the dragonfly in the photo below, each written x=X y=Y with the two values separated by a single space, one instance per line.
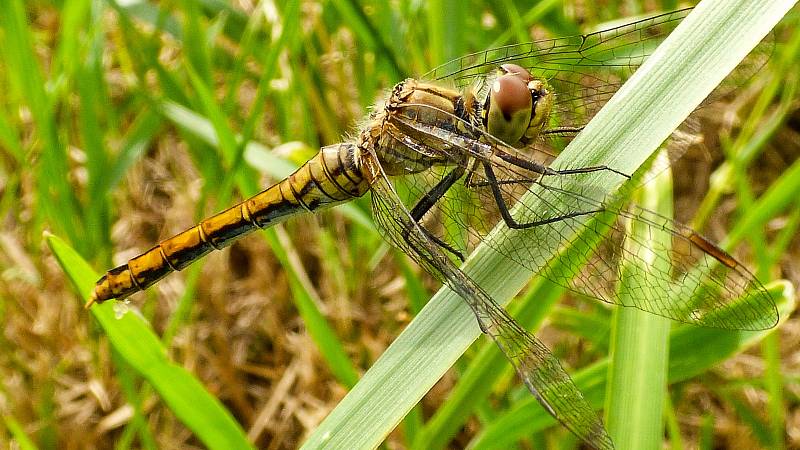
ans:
x=448 y=156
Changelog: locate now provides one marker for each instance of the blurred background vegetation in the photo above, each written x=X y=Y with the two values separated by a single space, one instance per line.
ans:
x=122 y=123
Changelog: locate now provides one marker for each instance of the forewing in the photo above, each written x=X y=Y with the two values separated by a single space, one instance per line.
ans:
x=584 y=70
x=537 y=367
x=694 y=281
x=688 y=280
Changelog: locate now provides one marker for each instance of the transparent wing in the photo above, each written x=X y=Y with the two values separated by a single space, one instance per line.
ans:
x=537 y=367
x=586 y=70
x=694 y=281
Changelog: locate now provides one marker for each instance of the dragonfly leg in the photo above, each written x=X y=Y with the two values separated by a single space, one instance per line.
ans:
x=520 y=181
x=562 y=131
x=512 y=223
x=470 y=172
x=443 y=244
x=590 y=169
x=427 y=201
x=544 y=170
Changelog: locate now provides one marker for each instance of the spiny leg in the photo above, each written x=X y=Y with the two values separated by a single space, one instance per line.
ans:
x=544 y=170
x=494 y=184
x=430 y=198
x=562 y=131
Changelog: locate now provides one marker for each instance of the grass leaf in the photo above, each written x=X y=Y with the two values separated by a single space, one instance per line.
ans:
x=135 y=341
x=639 y=352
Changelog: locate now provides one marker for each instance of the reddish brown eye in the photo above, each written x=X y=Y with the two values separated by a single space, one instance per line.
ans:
x=517 y=70
x=509 y=108
x=510 y=95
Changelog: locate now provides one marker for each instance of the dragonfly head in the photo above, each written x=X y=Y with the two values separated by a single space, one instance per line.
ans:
x=517 y=105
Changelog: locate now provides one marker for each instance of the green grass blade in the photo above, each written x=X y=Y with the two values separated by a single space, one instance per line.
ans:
x=353 y=15
x=21 y=439
x=639 y=353
x=200 y=411
x=623 y=135
x=57 y=203
x=445 y=18
x=754 y=422
x=135 y=393
x=773 y=381
x=135 y=141
x=672 y=425
x=779 y=196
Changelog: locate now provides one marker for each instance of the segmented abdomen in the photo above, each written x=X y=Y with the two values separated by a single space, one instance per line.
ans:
x=332 y=177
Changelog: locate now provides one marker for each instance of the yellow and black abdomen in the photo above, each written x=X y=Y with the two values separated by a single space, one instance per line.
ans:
x=332 y=177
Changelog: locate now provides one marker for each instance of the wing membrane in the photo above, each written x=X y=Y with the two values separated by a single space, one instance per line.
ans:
x=586 y=70
x=537 y=367
x=693 y=282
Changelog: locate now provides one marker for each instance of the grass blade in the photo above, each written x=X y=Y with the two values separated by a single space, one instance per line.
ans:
x=639 y=352
x=21 y=439
x=200 y=411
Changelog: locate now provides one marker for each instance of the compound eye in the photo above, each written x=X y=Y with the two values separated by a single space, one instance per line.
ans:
x=517 y=70
x=509 y=108
x=510 y=94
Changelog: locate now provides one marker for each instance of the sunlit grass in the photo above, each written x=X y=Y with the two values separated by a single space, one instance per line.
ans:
x=111 y=113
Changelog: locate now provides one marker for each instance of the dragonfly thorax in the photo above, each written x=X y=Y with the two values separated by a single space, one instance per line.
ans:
x=517 y=105
x=424 y=125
